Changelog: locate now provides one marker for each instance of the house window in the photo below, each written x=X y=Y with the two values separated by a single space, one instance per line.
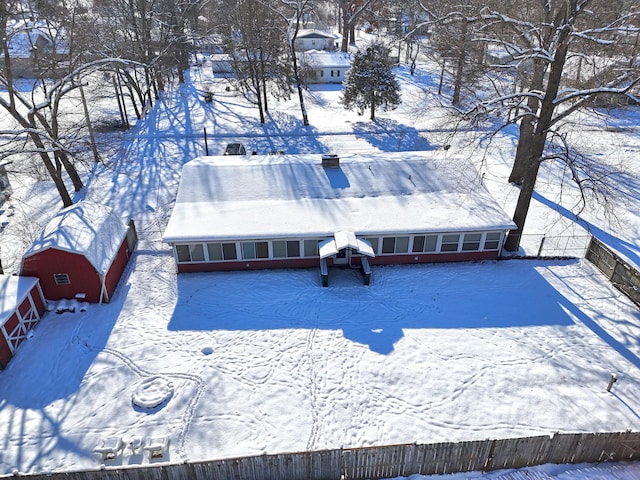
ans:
x=286 y=248
x=424 y=243
x=337 y=73
x=61 y=278
x=388 y=244
x=190 y=253
x=332 y=73
x=492 y=241
x=471 y=241
x=402 y=244
x=374 y=243
x=311 y=248
x=450 y=243
x=322 y=73
x=395 y=244
x=251 y=250
x=221 y=251
x=229 y=251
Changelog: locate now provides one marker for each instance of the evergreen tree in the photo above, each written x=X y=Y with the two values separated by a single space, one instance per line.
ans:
x=370 y=81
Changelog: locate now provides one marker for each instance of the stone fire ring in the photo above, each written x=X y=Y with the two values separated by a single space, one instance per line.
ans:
x=152 y=392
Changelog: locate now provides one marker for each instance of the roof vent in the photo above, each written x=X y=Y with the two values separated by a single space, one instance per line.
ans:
x=330 y=161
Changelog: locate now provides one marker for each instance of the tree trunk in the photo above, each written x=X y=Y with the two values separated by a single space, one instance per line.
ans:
x=59 y=154
x=462 y=57
x=345 y=31
x=373 y=106
x=296 y=75
x=538 y=139
x=527 y=126
x=526 y=193
x=87 y=118
x=54 y=172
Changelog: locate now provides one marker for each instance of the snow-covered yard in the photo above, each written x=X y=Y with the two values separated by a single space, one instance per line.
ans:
x=252 y=362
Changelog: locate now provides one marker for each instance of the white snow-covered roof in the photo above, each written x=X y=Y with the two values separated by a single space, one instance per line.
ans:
x=24 y=35
x=13 y=290
x=313 y=33
x=86 y=228
x=321 y=58
x=284 y=196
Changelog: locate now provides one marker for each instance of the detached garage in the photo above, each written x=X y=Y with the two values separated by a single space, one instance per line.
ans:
x=81 y=253
x=21 y=307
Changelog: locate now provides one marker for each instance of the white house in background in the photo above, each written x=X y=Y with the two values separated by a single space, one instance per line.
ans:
x=309 y=39
x=324 y=67
x=285 y=211
x=221 y=63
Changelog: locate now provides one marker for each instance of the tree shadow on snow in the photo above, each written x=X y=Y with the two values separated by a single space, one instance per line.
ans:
x=50 y=368
x=390 y=136
x=437 y=296
x=626 y=249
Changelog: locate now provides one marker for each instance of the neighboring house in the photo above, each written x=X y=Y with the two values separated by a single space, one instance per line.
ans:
x=208 y=44
x=22 y=305
x=308 y=39
x=282 y=211
x=81 y=253
x=324 y=67
x=221 y=63
x=33 y=47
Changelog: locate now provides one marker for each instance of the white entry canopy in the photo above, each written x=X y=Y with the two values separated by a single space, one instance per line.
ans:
x=342 y=240
x=345 y=240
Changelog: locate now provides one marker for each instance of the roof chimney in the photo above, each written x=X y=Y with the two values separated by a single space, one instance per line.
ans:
x=330 y=161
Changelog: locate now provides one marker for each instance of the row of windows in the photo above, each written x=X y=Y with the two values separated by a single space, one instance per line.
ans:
x=215 y=252
x=335 y=73
x=454 y=242
x=437 y=243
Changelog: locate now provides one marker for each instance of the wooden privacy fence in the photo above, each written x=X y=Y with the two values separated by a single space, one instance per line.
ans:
x=386 y=462
x=624 y=276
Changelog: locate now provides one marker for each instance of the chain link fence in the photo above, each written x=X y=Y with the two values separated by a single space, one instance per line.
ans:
x=553 y=246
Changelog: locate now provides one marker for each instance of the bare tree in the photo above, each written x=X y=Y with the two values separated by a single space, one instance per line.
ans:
x=30 y=112
x=293 y=14
x=561 y=56
x=259 y=48
x=350 y=12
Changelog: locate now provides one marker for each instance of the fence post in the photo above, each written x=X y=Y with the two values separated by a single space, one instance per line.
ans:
x=541 y=245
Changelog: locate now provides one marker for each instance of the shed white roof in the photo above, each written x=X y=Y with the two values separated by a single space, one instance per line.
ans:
x=285 y=196
x=86 y=228
x=13 y=290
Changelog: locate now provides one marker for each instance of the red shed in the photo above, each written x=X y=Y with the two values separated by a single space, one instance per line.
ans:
x=21 y=307
x=81 y=253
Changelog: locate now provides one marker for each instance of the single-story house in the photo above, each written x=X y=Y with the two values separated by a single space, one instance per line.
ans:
x=324 y=67
x=311 y=39
x=81 y=253
x=22 y=305
x=282 y=211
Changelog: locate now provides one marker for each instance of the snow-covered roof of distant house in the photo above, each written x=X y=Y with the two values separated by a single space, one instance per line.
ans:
x=278 y=196
x=321 y=58
x=13 y=290
x=312 y=33
x=86 y=228
x=23 y=36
